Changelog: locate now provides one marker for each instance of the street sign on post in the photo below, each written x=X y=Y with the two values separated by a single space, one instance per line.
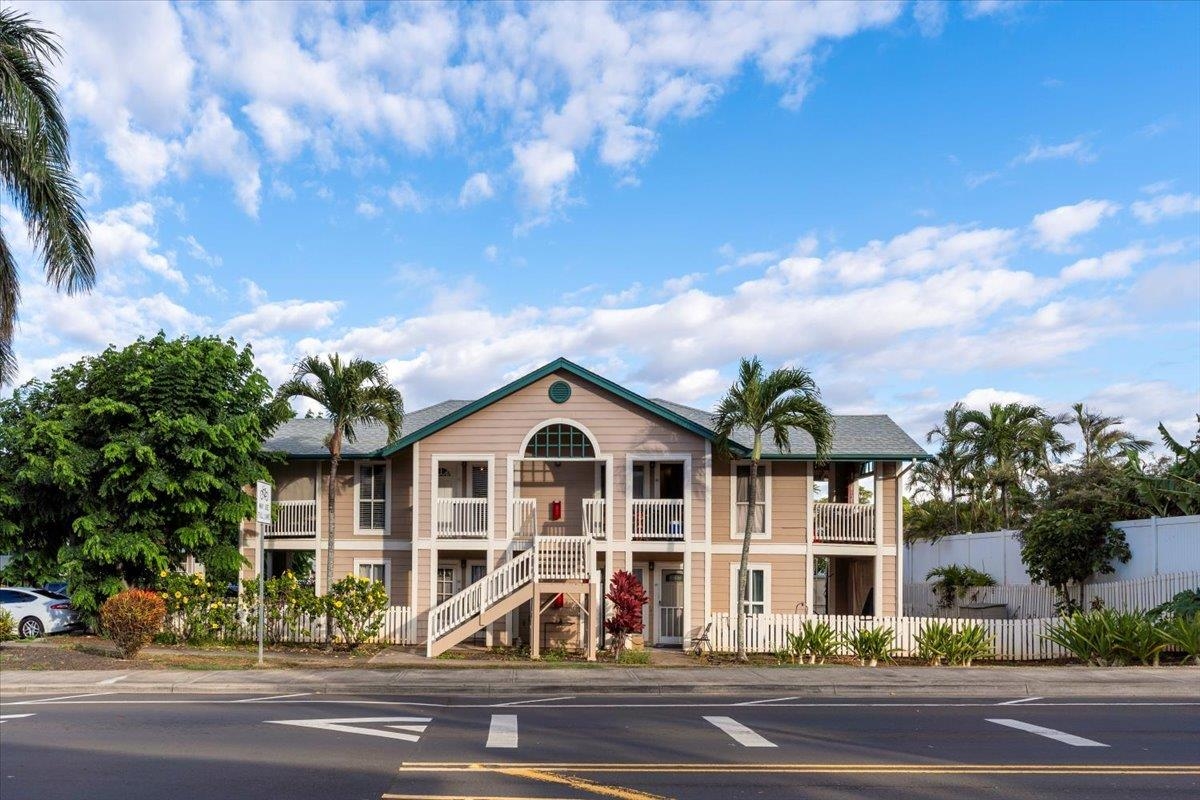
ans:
x=262 y=493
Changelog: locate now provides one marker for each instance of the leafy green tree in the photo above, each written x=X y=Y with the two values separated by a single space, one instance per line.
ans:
x=1102 y=437
x=35 y=167
x=776 y=404
x=1066 y=546
x=1172 y=486
x=353 y=393
x=126 y=463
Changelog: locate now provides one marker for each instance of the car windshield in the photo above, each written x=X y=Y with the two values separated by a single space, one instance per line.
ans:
x=50 y=594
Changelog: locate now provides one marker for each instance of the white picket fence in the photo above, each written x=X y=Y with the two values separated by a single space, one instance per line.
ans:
x=1036 y=600
x=1014 y=639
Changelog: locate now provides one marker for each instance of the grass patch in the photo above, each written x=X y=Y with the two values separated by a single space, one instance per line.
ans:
x=634 y=657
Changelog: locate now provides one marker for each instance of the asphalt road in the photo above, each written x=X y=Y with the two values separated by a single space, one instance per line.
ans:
x=328 y=748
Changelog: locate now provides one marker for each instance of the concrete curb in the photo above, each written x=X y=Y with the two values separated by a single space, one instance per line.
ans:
x=1175 y=683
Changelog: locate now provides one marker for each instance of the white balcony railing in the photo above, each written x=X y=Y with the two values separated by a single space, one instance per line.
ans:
x=563 y=558
x=461 y=517
x=594 y=518
x=523 y=517
x=657 y=519
x=292 y=518
x=845 y=523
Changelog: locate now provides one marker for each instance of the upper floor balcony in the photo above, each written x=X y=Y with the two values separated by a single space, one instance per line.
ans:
x=292 y=519
x=844 y=523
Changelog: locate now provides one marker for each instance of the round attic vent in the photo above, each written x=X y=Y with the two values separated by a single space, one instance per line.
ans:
x=560 y=391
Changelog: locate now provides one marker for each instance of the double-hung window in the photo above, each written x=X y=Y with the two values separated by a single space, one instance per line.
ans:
x=372 y=498
x=758 y=524
x=373 y=571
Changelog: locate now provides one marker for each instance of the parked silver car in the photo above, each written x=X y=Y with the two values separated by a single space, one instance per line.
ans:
x=38 y=612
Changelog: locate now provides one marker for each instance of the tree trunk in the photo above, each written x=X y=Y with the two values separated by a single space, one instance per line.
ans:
x=954 y=505
x=744 y=565
x=331 y=530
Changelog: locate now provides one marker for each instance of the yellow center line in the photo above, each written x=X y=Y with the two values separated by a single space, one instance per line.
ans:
x=575 y=782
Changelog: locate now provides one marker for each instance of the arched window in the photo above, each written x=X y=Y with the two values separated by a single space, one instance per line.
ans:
x=560 y=440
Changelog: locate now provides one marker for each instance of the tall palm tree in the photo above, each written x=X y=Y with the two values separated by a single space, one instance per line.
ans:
x=1054 y=446
x=951 y=458
x=353 y=393
x=35 y=167
x=1101 y=436
x=1003 y=444
x=775 y=404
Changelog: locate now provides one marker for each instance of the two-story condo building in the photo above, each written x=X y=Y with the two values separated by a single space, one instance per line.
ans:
x=500 y=519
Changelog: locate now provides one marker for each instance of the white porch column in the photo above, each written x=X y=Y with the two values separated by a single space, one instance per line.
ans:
x=877 y=496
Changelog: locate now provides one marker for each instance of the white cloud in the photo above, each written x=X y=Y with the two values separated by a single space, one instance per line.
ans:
x=476 y=189
x=125 y=235
x=1165 y=206
x=545 y=170
x=406 y=198
x=1077 y=149
x=1144 y=404
x=282 y=133
x=491 y=252
x=1055 y=229
x=367 y=209
x=222 y=149
x=285 y=316
x=197 y=251
x=930 y=16
x=1116 y=264
x=980 y=399
x=921 y=250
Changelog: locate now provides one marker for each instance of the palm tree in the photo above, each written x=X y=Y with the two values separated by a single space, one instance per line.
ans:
x=950 y=459
x=35 y=166
x=1054 y=446
x=1101 y=436
x=1003 y=444
x=786 y=399
x=353 y=393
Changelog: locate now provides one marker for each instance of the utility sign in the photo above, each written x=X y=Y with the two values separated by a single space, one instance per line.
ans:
x=263 y=492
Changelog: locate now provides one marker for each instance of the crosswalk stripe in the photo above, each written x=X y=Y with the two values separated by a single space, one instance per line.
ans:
x=739 y=732
x=503 y=731
x=1049 y=733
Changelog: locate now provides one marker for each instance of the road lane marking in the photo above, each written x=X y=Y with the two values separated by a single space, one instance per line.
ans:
x=1019 y=702
x=56 y=699
x=409 y=728
x=583 y=784
x=540 y=700
x=1049 y=733
x=503 y=731
x=111 y=681
x=272 y=697
x=739 y=732
x=805 y=768
x=769 y=700
x=4 y=717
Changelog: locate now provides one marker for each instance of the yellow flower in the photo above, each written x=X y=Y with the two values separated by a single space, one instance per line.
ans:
x=215 y=625
x=185 y=601
x=337 y=603
x=178 y=595
x=162 y=574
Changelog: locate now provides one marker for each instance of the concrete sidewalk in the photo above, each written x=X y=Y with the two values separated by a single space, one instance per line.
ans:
x=1181 y=683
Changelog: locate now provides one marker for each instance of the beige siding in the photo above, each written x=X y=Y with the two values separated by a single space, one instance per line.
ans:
x=294 y=480
x=889 y=503
x=889 y=586
x=787 y=580
x=720 y=499
x=789 y=505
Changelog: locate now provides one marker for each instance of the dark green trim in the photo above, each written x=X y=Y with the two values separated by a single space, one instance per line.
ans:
x=533 y=377
x=849 y=457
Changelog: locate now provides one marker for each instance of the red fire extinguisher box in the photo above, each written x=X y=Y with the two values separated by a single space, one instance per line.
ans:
x=555 y=510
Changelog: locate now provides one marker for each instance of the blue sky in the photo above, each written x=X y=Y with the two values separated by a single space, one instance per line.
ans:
x=921 y=203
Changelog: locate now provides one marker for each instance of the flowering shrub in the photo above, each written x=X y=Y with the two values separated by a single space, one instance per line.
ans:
x=197 y=610
x=287 y=602
x=132 y=618
x=8 y=626
x=357 y=606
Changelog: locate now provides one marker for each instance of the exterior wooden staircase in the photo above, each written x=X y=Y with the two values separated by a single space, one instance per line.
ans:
x=558 y=564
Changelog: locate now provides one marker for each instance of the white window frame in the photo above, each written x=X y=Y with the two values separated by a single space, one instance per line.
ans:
x=386 y=563
x=387 y=499
x=456 y=584
x=735 y=532
x=765 y=569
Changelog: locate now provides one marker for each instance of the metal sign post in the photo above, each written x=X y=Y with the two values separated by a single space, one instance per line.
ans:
x=262 y=493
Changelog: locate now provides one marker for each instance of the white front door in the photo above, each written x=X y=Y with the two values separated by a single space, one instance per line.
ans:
x=670 y=607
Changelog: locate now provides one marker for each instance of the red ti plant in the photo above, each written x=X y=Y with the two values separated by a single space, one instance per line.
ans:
x=626 y=594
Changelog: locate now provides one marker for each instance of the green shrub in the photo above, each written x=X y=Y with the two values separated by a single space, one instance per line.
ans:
x=1184 y=604
x=640 y=657
x=1111 y=638
x=8 y=626
x=934 y=642
x=132 y=618
x=871 y=645
x=287 y=603
x=815 y=642
x=953 y=581
x=970 y=642
x=357 y=606
x=197 y=610
x=1183 y=633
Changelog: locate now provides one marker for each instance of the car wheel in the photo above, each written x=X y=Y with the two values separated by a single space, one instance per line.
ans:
x=31 y=628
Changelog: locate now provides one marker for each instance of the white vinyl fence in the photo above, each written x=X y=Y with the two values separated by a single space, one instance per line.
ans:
x=1160 y=545
x=1035 y=600
x=1015 y=639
